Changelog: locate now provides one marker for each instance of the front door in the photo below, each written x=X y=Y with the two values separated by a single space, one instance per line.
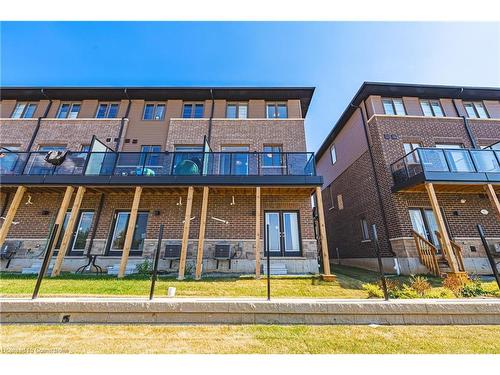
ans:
x=120 y=225
x=284 y=233
x=424 y=223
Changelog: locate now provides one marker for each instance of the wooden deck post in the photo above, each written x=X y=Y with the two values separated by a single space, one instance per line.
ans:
x=322 y=232
x=445 y=239
x=185 y=234
x=68 y=233
x=11 y=213
x=257 y=232
x=493 y=199
x=61 y=214
x=201 y=239
x=129 y=236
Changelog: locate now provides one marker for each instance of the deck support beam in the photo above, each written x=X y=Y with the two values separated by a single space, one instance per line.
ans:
x=445 y=238
x=185 y=234
x=11 y=213
x=322 y=234
x=68 y=233
x=492 y=195
x=257 y=232
x=201 y=239
x=132 y=220
x=61 y=214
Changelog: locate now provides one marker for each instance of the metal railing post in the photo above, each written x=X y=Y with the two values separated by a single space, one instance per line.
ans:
x=380 y=265
x=268 y=262
x=488 y=253
x=46 y=260
x=155 y=264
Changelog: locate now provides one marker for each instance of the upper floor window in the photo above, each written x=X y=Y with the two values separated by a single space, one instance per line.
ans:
x=151 y=148
x=431 y=108
x=193 y=110
x=273 y=156
x=107 y=110
x=333 y=154
x=449 y=145
x=394 y=106
x=237 y=110
x=476 y=110
x=24 y=110
x=68 y=110
x=409 y=147
x=277 y=110
x=154 y=111
x=365 y=232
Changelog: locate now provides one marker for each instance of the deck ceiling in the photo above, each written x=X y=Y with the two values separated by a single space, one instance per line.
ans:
x=171 y=190
x=450 y=188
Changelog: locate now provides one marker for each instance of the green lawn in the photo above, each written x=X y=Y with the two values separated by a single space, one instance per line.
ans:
x=246 y=339
x=348 y=285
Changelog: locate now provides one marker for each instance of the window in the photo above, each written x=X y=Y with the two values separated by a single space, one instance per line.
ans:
x=68 y=110
x=340 y=202
x=24 y=110
x=284 y=233
x=237 y=110
x=107 y=110
x=431 y=108
x=394 y=106
x=120 y=224
x=273 y=162
x=234 y=160
x=365 y=232
x=449 y=145
x=476 y=110
x=277 y=110
x=154 y=112
x=85 y=148
x=82 y=230
x=333 y=154
x=193 y=110
x=408 y=148
x=424 y=223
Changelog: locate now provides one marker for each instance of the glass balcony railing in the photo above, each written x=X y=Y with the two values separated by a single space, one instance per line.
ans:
x=152 y=164
x=447 y=164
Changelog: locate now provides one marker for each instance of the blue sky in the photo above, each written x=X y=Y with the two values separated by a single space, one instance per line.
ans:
x=335 y=57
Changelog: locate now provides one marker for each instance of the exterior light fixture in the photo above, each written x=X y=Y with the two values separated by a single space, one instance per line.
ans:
x=484 y=211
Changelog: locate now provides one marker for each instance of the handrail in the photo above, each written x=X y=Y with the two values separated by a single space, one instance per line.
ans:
x=427 y=253
x=457 y=251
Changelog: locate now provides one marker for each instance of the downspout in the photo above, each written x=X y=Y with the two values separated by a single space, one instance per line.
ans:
x=209 y=135
x=377 y=185
x=35 y=133
x=466 y=123
x=122 y=124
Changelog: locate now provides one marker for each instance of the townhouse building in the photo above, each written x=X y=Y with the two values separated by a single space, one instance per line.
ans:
x=422 y=163
x=215 y=166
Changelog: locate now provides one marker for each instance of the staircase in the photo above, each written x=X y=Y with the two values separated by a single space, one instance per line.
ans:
x=438 y=265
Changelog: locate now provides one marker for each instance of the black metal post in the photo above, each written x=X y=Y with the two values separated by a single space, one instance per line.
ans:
x=46 y=260
x=268 y=264
x=488 y=253
x=155 y=265
x=379 y=258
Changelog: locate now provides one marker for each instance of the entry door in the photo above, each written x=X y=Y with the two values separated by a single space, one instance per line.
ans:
x=80 y=235
x=284 y=233
x=424 y=223
x=120 y=225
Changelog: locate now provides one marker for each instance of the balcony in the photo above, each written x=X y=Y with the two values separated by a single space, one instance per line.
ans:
x=160 y=168
x=447 y=166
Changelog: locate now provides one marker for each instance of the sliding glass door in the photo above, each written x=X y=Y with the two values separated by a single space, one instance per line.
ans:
x=80 y=235
x=424 y=223
x=120 y=224
x=284 y=233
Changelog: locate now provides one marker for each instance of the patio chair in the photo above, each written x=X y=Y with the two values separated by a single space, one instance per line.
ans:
x=9 y=250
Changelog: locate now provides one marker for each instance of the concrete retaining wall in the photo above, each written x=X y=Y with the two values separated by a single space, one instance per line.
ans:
x=249 y=311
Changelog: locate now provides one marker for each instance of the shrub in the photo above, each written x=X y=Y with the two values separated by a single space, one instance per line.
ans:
x=420 y=285
x=145 y=268
x=405 y=292
x=473 y=289
x=491 y=289
x=374 y=291
x=439 y=293
x=455 y=284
